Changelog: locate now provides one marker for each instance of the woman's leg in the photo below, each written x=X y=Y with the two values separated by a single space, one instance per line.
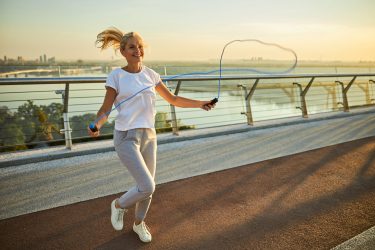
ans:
x=148 y=151
x=127 y=145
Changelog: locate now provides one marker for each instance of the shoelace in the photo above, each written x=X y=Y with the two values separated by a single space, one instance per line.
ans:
x=120 y=214
x=146 y=228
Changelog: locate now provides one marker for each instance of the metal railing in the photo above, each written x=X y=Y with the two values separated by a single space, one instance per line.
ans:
x=30 y=104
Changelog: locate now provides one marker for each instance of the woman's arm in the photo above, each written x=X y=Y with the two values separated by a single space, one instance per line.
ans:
x=109 y=98
x=181 y=102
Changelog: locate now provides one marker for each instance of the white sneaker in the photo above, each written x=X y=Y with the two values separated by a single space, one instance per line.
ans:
x=142 y=231
x=117 y=216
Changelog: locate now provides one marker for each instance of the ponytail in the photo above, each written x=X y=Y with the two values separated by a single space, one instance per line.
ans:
x=113 y=37
x=109 y=37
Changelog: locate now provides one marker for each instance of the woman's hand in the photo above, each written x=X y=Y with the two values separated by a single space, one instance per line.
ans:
x=93 y=134
x=103 y=112
x=207 y=105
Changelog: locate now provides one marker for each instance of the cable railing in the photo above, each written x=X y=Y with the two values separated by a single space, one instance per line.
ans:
x=40 y=112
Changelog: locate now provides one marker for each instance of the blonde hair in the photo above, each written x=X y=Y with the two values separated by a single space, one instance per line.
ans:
x=115 y=38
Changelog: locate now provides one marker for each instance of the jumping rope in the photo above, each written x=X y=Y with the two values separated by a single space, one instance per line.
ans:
x=94 y=128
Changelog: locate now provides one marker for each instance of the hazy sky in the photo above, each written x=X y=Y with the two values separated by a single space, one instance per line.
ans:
x=189 y=29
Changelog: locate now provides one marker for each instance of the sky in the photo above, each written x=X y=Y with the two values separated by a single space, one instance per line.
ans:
x=190 y=29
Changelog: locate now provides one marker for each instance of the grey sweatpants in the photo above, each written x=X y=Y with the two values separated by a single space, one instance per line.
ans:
x=137 y=151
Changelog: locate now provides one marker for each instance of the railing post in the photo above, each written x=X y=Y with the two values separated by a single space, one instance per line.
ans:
x=249 y=114
x=331 y=91
x=173 y=111
x=303 y=97
x=366 y=90
x=372 y=88
x=345 y=92
x=300 y=99
x=67 y=130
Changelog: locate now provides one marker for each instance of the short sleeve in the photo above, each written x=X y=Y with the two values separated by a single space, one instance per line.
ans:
x=156 y=77
x=111 y=81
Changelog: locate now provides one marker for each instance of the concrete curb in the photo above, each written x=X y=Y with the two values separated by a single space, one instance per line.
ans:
x=365 y=240
x=204 y=133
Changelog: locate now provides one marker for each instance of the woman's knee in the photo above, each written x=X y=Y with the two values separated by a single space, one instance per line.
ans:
x=148 y=189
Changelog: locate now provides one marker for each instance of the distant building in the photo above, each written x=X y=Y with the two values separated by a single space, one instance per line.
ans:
x=52 y=60
x=40 y=59
x=44 y=58
x=5 y=59
x=20 y=59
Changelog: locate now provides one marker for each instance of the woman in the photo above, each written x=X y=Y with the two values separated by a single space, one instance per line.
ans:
x=134 y=134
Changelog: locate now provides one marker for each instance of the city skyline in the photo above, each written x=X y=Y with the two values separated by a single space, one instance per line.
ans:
x=194 y=30
x=41 y=59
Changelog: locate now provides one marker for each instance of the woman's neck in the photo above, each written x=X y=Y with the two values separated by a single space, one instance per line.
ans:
x=133 y=68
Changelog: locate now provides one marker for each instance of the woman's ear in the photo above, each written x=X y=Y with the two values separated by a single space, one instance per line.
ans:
x=122 y=51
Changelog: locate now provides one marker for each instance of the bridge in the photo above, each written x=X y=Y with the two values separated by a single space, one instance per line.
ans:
x=294 y=182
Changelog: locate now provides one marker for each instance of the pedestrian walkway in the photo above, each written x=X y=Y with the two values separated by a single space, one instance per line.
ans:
x=311 y=200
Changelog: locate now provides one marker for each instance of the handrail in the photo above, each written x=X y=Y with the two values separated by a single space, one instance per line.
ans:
x=295 y=93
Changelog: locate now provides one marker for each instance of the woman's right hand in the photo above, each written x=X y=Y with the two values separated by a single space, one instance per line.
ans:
x=93 y=134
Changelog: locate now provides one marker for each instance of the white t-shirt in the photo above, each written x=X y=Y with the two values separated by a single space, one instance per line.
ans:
x=139 y=110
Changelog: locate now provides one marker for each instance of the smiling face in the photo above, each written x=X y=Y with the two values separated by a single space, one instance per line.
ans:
x=133 y=50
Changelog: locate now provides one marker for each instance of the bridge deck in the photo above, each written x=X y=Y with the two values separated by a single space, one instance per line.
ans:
x=311 y=200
